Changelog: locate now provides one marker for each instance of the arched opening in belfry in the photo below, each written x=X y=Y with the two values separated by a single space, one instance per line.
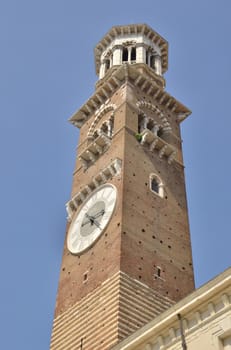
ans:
x=104 y=128
x=108 y=127
x=146 y=56
x=160 y=132
x=125 y=55
x=150 y=125
x=133 y=54
x=140 y=123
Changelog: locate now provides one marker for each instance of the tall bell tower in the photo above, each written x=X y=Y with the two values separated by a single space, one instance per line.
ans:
x=127 y=254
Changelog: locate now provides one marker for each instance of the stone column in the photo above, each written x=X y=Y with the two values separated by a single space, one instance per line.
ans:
x=155 y=129
x=148 y=53
x=102 y=70
x=144 y=123
x=158 y=66
x=117 y=55
x=129 y=54
x=109 y=128
x=140 y=54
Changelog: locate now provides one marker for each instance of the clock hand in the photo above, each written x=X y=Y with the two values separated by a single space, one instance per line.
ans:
x=85 y=223
x=101 y=212
x=91 y=218
x=96 y=224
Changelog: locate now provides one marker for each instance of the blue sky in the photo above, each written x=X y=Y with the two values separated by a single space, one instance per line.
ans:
x=46 y=73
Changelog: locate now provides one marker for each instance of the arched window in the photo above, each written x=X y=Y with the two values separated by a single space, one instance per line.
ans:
x=156 y=185
x=125 y=55
x=133 y=54
x=108 y=127
x=104 y=128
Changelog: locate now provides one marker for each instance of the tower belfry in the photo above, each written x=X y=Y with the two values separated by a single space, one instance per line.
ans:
x=127 y=254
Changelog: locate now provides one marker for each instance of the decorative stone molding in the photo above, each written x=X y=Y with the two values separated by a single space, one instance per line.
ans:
x=143 y=104
x=116 y=77
x=107 y=128
x=153 y=145
x=162 y=151
x=113 y=169
x=94 y=150
x=181 y=117
x=157 y=143
x=172 y=157
x=99 y=115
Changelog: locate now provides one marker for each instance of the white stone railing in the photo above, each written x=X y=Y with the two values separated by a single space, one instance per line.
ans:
x=157 y=143
x=113 y=169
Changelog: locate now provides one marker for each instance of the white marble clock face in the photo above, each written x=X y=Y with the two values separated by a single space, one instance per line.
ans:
x=92 y=219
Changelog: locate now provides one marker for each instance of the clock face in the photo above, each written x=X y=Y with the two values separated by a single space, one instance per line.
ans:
x=92 y=219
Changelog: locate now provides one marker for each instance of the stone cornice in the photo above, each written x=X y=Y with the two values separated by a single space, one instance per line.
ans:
x=130 y=29
x=116 y=79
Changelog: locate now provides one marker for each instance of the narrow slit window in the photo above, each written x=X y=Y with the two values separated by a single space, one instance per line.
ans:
x=158 y=271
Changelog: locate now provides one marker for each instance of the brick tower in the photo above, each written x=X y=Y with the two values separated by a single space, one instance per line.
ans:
x=127 y=254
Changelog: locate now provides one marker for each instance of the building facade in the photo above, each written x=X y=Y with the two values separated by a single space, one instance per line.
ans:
x=200 y=321
x=127 y=254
